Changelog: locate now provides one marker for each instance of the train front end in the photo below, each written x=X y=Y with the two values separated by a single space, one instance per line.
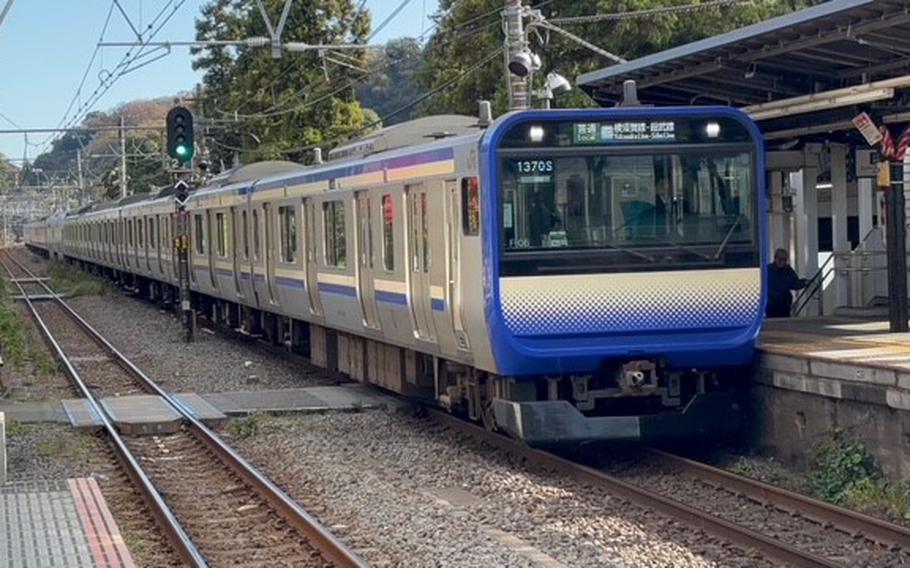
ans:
x=624 y=282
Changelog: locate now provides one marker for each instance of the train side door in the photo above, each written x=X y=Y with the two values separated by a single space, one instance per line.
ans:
x=311 y=246
x=210 y=250
x=453 y=272
x=236 y=228
x=365 y=259
x=268 y=216
x=420 y=261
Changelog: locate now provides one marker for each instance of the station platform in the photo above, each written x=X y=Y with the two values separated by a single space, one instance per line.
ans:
x=819 y=375
x=59 y=523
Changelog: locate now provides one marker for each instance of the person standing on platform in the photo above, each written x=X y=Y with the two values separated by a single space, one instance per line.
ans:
x=782 y=280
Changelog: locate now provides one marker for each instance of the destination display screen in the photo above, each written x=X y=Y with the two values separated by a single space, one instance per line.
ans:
x=600 y=133
x=637 y=131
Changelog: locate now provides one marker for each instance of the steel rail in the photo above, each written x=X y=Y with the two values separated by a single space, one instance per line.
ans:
x=330 y=546
x=164 y=517
x=738 y=534
x=818 y=511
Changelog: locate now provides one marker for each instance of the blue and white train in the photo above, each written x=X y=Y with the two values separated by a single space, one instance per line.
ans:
x=563 y=275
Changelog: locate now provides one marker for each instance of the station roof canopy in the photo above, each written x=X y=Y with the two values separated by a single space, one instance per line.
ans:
x=821 y=63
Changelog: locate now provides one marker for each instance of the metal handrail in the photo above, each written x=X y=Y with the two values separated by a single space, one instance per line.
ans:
x=815 y=283
x=812 y=287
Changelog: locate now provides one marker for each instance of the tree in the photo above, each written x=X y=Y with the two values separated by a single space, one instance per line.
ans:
x=7 y=173
x=393 y=80
x=469 y=30
x=277 y=108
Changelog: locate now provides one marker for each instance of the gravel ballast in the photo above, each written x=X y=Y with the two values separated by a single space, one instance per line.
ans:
x=407 y=492
x=153 y=340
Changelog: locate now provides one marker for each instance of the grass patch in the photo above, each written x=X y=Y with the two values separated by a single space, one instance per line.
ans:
x=73 y=282
x=75 y=448
x=844 y=472
x=243 y=428
x=17 y=428
x=20 y=346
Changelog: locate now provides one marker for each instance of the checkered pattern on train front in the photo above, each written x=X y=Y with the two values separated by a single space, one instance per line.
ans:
x=615 y=303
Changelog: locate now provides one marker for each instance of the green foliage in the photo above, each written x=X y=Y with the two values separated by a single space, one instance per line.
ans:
x=393 y=81
x=743 y=467
x=13 y=337
x=282 y=106
x=470 y=29
x=74 y=282
x=20 y=346
x=841 y=465
x=243 y=428
x=17 y=428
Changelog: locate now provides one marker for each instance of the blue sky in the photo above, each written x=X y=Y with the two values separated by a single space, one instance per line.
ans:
x=45 y=46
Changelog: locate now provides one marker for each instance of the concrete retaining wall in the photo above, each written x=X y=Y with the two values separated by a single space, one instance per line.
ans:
x=798 y=402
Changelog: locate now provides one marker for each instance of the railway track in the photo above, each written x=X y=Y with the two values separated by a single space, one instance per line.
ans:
x=212 y=505
x=874 y=542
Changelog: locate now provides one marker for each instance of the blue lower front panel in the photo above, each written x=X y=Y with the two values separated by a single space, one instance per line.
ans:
x=558 y=422
x=531 y=357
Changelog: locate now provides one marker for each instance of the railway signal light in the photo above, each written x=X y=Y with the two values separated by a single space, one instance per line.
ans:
x=180 y=134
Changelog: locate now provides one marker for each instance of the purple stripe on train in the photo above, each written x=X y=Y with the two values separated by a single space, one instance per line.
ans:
x=407 y=161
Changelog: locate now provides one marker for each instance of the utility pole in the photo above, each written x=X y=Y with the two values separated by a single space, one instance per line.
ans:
x=123 y=188
x=515 y=43
x=79 y=174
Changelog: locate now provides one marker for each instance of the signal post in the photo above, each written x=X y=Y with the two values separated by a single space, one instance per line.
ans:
x=180 y=147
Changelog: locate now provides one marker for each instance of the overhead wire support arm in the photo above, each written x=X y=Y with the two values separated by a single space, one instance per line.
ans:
x=540 y=22
x=129 y=22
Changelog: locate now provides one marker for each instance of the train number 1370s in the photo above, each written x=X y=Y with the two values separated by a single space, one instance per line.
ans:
x=534 y=166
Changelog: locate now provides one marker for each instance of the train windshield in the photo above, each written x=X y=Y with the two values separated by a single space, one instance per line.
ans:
x=647 y=200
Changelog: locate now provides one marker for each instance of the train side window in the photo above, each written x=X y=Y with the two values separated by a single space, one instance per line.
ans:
x=256 y=234
x=140 y=230
x=129 y=232
x=245 y=231
x=287 y=217
x=335 y=246
x=470 y=206
x=199 y=234
x=151 y=228
x=388 y=232
x=221 y=234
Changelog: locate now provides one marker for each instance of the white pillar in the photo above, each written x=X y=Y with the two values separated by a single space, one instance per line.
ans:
x=779 y=221
x=806 y=210
x=865 y=198
x=839 y=221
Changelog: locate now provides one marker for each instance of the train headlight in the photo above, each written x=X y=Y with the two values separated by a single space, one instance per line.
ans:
x=536 y=133
x=712 y=129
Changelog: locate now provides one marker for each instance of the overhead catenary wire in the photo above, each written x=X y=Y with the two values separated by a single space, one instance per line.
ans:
x=271 y=111
x=649 y=12
x=275 y=109
x=124 y=66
